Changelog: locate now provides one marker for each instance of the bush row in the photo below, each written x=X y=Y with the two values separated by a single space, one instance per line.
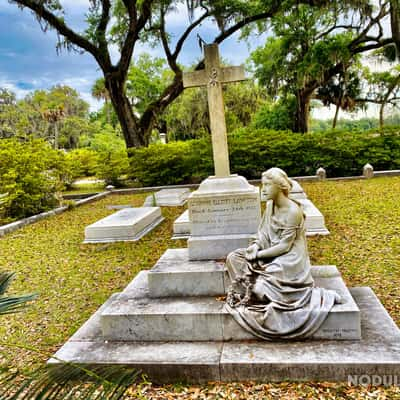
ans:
x=31 y=174
x=252 y=151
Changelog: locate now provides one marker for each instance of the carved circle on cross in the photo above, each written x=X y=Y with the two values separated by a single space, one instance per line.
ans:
x=213 y=77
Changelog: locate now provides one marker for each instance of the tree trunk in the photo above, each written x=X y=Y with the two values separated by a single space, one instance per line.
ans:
x=108 y=111
x=335 y=118
x=381 y=109
x=133 y=135
x=302 y=111
x=56 y=135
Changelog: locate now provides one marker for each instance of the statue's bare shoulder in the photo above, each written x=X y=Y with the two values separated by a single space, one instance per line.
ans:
x=294 y=216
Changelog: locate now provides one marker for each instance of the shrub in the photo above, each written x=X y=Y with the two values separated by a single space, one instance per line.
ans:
x=172 y=163
x=30 y=176
x=82 y=162
x=252 y=151
x=276 y=115
x=112 y=165
x=112 y=155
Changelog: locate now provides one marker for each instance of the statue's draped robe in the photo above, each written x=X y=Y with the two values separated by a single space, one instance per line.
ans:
x=288 y=305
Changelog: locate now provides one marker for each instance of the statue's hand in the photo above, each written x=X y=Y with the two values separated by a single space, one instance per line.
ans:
x=251 y=252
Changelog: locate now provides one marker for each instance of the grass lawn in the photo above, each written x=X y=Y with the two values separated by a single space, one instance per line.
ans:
x=73 y=279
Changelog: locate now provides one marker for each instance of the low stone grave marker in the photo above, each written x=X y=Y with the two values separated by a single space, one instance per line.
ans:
x=172 y=197
x=128 y=224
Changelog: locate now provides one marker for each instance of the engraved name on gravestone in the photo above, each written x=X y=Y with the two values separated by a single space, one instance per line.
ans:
x=224 y=215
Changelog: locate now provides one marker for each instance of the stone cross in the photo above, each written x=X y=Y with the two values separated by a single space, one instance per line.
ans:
x=213 y=76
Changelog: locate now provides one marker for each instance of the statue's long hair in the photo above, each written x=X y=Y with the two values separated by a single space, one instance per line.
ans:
x=279 y=178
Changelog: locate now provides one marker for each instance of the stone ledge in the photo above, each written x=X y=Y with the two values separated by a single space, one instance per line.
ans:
x=175 y=275
x=205 y=318
x=377 y=353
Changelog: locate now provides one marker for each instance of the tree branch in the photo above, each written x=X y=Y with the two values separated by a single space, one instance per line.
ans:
x=105 y=18
x=164 y=40
x=245 y=21
x=327 y=32
x=61 y=27
x=184 y=36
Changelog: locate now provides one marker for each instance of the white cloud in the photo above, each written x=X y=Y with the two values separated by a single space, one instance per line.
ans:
x=12 y=86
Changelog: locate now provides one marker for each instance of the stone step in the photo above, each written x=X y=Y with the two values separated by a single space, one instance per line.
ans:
x=134 y=316
x=174 y=275
x=376 y=354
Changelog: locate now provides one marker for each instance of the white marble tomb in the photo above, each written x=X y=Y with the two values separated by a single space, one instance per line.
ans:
x=172 y=197
x=128 y=224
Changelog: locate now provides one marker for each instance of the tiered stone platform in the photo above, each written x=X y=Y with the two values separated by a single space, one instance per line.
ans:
x=171 y=323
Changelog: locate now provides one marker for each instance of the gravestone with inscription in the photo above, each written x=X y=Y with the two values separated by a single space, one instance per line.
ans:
x=314 y=223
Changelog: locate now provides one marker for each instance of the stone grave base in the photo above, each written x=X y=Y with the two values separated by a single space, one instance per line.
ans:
x=224 y=213
x=127 y=224
x=377 y=353
x=315 y=222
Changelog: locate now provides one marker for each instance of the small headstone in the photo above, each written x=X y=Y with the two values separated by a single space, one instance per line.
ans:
x=368 y=171
x=321 y=173
x=129 y=224
x=150 y=201
x=172 y=197
x=110 y=187
x=163 y=138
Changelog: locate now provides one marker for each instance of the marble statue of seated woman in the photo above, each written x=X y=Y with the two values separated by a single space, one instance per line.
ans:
x=272 y=292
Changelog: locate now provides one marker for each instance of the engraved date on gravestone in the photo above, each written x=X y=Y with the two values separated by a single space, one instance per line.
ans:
x=224 y=215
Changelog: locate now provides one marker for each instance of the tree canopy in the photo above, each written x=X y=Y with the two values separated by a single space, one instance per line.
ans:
x=126 y=23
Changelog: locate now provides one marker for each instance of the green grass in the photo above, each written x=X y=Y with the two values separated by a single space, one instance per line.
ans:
x=85 y=188
x=73 y=279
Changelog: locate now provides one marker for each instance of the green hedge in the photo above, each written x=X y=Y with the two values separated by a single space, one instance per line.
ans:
x=31 y=174
x=253 y=151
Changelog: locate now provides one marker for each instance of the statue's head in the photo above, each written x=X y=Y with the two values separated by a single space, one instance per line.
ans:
x=279 y=178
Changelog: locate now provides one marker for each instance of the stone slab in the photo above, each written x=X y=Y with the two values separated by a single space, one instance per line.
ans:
x=196 y=278
x=206 y=318
x=175 y=275
x=172 y=197
x=162 y=362
x=182 y=224
x=377 y=353
x=216 y=247
x=128 y=224
x=315 y=221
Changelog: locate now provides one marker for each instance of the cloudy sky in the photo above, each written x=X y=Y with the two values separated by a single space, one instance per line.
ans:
x=29 y=61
